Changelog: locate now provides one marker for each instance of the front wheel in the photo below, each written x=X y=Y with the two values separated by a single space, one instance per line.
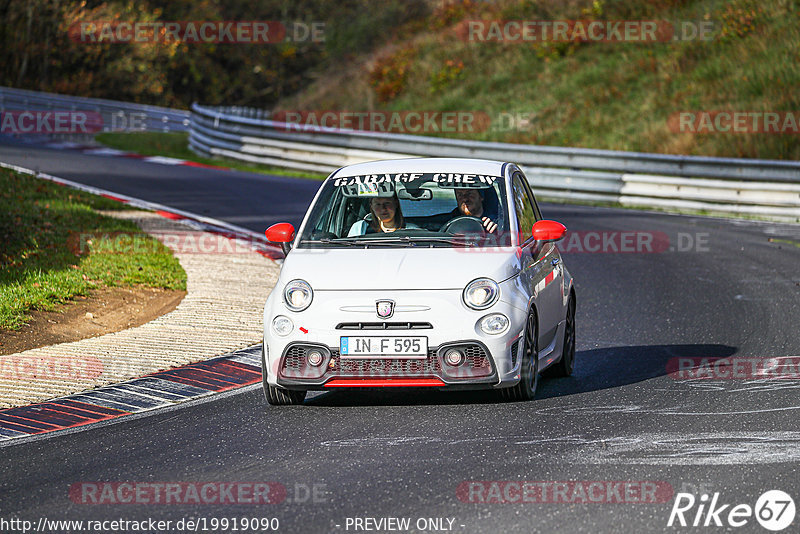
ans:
x=566 y=364
x=529 y=374
x=278 y=396
x=283 y=397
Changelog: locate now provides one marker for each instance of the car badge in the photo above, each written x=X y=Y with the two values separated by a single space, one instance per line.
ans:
x=385 y=308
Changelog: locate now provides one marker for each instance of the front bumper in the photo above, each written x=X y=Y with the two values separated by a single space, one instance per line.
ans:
x=490 y=360
x=477 y=368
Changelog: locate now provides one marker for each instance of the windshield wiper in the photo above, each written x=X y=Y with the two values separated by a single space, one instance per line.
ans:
x=394 y=241
x=328 y=241
x=407 y=239
x=448 y=240
x=400 y=240
x=348 y=242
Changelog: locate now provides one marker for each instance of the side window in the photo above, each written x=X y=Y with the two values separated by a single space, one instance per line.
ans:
x=525 y=208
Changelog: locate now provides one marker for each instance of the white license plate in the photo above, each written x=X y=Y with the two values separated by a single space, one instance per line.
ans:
x=383 y=347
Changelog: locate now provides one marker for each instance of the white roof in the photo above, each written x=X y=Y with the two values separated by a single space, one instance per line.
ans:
x=424 y=165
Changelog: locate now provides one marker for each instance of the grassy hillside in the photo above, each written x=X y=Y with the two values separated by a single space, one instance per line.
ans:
x=586 y=94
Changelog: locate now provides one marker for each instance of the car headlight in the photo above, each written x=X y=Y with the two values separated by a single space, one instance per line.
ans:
x=282 y=325
x=297 y=295
x=481 y=293
x=494 y=324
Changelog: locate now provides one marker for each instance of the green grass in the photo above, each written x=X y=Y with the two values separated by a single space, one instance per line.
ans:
x=42 y=262
x=596 y=95
x=176 y=145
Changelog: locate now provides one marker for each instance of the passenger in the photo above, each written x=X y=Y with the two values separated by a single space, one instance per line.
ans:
x=387 y=216
x=470 y=204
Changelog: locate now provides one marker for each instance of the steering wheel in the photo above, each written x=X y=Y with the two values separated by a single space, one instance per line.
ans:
x=464 y=224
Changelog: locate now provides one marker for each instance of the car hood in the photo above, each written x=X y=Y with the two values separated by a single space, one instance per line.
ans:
x=399 y=268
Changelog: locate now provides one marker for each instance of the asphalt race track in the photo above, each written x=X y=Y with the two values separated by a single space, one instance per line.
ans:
x=722 y=288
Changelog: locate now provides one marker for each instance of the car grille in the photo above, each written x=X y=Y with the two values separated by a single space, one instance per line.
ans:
x=387 y=367
x=514 y=353
x=477 y=362
x=295 y=366
x=295 y=358
x=383 y=326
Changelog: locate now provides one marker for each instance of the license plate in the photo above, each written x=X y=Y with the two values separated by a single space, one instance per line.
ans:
x=383 y=347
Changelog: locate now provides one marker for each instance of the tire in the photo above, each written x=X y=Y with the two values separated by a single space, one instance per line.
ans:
x=284 y=397
x=525 y=390
x=564 y=366
x=279 y=396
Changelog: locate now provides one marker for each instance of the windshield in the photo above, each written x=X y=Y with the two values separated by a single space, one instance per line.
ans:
x=423 y=209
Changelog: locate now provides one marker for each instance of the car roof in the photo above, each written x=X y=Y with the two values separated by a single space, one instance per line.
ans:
x=424 y=165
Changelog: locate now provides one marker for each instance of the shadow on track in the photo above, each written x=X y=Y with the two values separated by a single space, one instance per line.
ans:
x=595 y=369
x=612 y=367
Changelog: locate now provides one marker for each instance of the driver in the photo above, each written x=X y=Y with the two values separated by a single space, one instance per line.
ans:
x=386 y=217
x=470 y=204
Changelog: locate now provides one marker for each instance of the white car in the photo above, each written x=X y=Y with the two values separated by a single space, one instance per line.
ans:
x=393 y=282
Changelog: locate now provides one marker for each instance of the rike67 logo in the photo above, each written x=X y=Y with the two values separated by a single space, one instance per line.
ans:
x=774 y=510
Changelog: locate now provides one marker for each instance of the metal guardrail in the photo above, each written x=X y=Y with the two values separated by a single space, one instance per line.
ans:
x=116 y=116
x=765 y=188
x=743 y=186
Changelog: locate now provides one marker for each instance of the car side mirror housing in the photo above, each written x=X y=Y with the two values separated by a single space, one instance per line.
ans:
x=282 y=233
x=546 y=231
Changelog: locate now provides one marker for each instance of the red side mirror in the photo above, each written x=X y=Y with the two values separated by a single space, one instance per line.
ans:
x=547 y=231
x=280 y=233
